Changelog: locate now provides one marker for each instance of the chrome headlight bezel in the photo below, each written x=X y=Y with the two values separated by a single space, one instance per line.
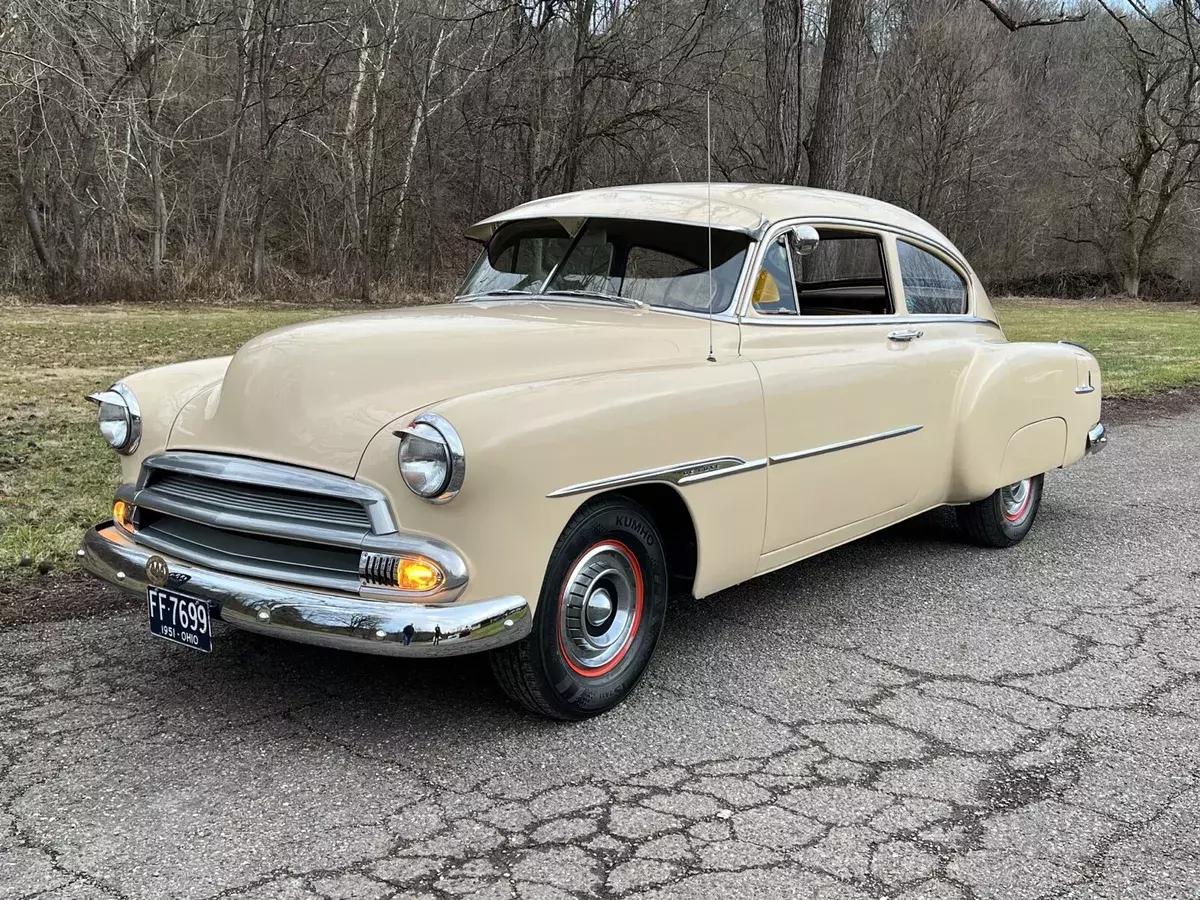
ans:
x=120 y=398
x=434 y=428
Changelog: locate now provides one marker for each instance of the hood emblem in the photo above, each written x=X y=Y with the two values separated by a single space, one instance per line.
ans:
x=157 y=572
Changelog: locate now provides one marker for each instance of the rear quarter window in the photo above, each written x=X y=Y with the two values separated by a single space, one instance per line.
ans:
x=930 y=286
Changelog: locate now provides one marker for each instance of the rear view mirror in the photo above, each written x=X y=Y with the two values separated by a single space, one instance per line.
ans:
x=805 y=239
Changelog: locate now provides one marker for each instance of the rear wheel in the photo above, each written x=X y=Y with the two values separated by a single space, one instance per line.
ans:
x=1005 y=517
x=598 y=619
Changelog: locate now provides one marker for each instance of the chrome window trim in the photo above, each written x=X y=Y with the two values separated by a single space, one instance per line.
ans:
x=843 y=445
x=677 y=473
x=785 y=239
x=881 y=230
x=914 y=319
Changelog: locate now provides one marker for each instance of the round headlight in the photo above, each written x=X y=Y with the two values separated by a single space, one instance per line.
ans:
x=119 y=417
x=432 y=463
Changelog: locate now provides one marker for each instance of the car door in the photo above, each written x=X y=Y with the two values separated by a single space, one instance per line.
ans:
x=935 y=290
x=845 y=429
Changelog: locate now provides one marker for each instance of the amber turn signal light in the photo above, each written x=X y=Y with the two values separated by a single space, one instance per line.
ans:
x=123 y=514
x=408 y=573
x=417 y=575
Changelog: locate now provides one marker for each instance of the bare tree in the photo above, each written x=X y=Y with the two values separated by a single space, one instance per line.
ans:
x=160 y=148
x=829 y=147
x=783 y=31
x=1136 y=151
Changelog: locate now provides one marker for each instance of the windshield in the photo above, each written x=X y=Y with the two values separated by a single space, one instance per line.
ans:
x=518 y=258
x=636 y=261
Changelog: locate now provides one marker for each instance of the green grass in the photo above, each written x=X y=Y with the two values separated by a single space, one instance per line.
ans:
x=1143 y=348
x=57 y=475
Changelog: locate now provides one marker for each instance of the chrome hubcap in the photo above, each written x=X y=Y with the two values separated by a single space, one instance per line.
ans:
x=1015 y=499
x=600 y=606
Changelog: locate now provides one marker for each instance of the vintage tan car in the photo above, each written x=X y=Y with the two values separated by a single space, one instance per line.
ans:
x=640 y=391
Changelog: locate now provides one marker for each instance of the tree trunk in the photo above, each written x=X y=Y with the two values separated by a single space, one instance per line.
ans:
x=584 y=14
x=33 y=221
x=432 y=68
x=158 y=231
x=829 y=151
x=349 y=151
x=1131 y=277
x=1132 y=281
x=783 y=27
x=242 y=95
x=258 y=250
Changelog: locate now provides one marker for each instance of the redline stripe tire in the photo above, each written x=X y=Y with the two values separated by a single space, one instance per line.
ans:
x=638 y=601
x=541 y=672
x=1002 y=519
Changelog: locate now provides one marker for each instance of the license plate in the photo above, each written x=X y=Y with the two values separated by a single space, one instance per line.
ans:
x=180 y=619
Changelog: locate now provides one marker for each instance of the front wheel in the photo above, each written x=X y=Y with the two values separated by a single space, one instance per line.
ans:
x=598 y=618
x=1005 y=517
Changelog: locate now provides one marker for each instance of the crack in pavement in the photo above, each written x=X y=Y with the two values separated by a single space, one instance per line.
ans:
x=905 y=717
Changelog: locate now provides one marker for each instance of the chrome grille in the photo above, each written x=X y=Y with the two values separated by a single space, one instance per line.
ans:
x=258 y=500
x=378 y=569
x=244 y=554
x=258 y=518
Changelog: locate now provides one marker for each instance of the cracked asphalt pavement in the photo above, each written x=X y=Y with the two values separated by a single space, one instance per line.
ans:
x=906 y=717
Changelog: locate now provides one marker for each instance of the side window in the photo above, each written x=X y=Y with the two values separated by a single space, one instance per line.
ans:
x=843 y=276
x=774 y=292
x=930 y=286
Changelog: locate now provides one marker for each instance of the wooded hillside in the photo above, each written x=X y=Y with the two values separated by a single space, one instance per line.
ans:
x=297 y=148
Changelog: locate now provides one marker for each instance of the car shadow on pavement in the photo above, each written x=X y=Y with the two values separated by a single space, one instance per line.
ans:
x=333 y=688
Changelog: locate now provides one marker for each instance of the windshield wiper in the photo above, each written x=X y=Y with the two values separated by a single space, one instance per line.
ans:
x=498 y=292
x=598 y=295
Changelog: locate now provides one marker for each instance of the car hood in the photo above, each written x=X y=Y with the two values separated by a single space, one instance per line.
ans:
x=315 y=394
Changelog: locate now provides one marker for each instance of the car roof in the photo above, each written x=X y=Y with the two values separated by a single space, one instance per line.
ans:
x=749 y=208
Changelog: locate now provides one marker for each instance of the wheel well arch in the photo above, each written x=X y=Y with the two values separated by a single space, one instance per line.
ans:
x=674 y=520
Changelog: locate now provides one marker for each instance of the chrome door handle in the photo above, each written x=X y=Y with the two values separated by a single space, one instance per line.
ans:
x=905 y=334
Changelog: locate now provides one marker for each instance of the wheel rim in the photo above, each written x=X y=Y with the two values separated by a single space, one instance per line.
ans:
x=1015 y=499
x=600 y=608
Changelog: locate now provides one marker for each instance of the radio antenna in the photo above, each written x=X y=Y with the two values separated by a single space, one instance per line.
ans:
x=708 y=180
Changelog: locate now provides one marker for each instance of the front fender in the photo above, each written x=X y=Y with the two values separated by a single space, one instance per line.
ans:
x=527 y=441
x=161 y=393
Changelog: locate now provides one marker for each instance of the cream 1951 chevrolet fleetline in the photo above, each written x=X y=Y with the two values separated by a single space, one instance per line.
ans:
x=640 y=391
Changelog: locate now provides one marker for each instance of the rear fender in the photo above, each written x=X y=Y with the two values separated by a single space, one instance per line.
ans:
x=1021 y=415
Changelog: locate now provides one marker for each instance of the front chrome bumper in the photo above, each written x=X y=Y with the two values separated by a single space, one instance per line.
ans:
x=1097 y=438
x=384 y=627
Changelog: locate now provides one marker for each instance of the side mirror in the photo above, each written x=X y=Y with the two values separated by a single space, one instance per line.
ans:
x=805 y=239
